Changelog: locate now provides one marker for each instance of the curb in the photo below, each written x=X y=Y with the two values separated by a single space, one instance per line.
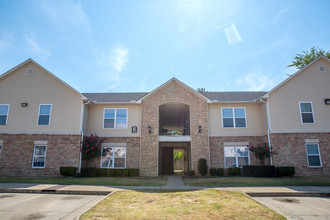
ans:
x=45 y=191
x=287 y=194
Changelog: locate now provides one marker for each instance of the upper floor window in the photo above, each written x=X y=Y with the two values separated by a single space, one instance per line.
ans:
x=44 y=114
x=233 y=118
x=236 y=156
x=4 y=110
x=115 y=118
x=306 y=112
x=39 y=156
x=313 y=155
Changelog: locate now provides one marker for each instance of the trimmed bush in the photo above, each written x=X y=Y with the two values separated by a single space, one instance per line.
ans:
x=125 y=172
x=119 y=172
x=68 y=171
x=87 y=171
x=285 y=171
x=104 y=172
x=202 y=166
x=191 y=173
x=220 y=171
x=213 y=171
x=234 y=171
x=259 y=171
x=133 y=172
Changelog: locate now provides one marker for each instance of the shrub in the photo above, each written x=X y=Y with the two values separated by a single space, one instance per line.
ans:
x=125 y=172
x=133 y=172
x=285 y=171
x=261 y=152
x=259 y=171
x=91 y=147
x=68 y=171
x=234 y=171
x=220 y=171
x=87 y=171
x=202 y=166
x=119 y=172
x=213 y=171
x=191 y=173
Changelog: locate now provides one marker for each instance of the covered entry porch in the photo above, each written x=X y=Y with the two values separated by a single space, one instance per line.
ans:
x=174 y=158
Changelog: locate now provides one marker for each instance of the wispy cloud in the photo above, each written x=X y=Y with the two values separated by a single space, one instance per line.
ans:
x=66 y=14
x=256 y=81
x=277 y=16
x=232 y=34
x=286 y=40
x=34 y=48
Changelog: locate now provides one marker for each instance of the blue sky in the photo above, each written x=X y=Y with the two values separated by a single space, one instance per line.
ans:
x=135 y=46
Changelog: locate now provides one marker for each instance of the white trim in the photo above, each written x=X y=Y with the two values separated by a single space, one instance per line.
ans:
x=1 y=141
x=113 y=146
x=319 y=154
x=50 y=114
x=115 y=118
x=236 y=157
x=34 y=148
x=312 y=130
x=42 y=132
x=312 y=141
x=40 y=142
x=7 y=115
x=233 y=112
x=163 y=138
x=301 y=118
x=235 y=144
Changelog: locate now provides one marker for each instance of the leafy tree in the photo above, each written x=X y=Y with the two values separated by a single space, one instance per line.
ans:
x=201 y=90
x=91 y=147
x=302 y=60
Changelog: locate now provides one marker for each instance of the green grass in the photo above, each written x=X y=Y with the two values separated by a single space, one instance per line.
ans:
x=115 y=181
x=257 y=181
x=161 y=204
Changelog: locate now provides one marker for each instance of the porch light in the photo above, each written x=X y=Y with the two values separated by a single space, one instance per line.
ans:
x=149 y=129
x=200 y=129
x=327 y=101
x=24 y=104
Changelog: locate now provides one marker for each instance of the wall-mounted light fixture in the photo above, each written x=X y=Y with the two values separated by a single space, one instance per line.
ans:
x=24 y=104
x=149 y=129
x=327 y=101
x=200 y=129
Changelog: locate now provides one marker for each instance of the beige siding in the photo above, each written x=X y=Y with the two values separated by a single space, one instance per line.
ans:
x=95 y=121
x=255 y=121
x=309 y=85
x=36 y=89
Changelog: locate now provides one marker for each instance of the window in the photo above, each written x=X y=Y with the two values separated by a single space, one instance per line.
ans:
x=1 y=142
x=233 y=118
x=39 y=156
x=306 y=112
x=115 y=118
x=44 y=114
x=113 y=156
x=236 y=156
x=313 y=155
x=4 y=110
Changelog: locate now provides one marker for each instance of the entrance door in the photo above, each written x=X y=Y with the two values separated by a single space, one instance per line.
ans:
x=167 y=160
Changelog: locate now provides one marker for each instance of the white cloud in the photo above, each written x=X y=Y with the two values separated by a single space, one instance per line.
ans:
x=119 y=58
x=66 y=14
x=279 y=14
x=256 y=81
x=232 y=34
x=34 y=48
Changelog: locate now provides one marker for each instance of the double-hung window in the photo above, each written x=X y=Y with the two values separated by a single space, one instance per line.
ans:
x=113 y=156
x=4 y=110
x=44 y=114
x=313 y=155
x=233 y=118
x=306 y=112
x=115 y=118
x=39 y=156
x=236 y=156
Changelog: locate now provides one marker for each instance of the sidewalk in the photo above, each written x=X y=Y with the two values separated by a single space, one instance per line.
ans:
x=173 y=182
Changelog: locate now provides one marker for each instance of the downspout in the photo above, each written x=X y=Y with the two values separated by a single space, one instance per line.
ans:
x=81 y=132
x=268 y=128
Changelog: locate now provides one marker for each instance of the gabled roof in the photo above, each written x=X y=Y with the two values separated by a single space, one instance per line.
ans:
x=37 y=64
x=230 y=97
x=115 y=97
x=180 y=83
x=295 y=74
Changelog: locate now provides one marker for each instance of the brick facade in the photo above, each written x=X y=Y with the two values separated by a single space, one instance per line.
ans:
x=132 y=152
x=17 y=154
x=172 y=93
x=291 y=151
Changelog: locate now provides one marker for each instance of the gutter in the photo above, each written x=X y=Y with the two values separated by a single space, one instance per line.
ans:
x=82 y=132
x=269 y=127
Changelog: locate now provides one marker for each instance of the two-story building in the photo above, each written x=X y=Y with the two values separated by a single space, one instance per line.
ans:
x=43 y=120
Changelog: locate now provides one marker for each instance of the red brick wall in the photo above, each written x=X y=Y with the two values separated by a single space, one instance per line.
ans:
x=17 y=154
x=291 y=151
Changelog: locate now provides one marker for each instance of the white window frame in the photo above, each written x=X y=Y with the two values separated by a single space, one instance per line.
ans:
x=301 y=118
x=50 y=114
x=319 y=154
x=113 y=146
x=233 y=111
x=7 y=115
x=115 y=118
x=236 y=157
x=45 y=156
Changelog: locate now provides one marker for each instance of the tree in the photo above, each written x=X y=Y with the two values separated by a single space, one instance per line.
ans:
x=91 y=147
x=201 y=90
x=302 y=60
x=261 y=152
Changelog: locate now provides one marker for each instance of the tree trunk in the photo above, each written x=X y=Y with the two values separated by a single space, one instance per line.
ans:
x=262 y=162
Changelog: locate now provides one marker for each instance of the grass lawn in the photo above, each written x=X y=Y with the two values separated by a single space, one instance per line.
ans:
x=115 y=181
x=201 y=204
x=257 y=181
